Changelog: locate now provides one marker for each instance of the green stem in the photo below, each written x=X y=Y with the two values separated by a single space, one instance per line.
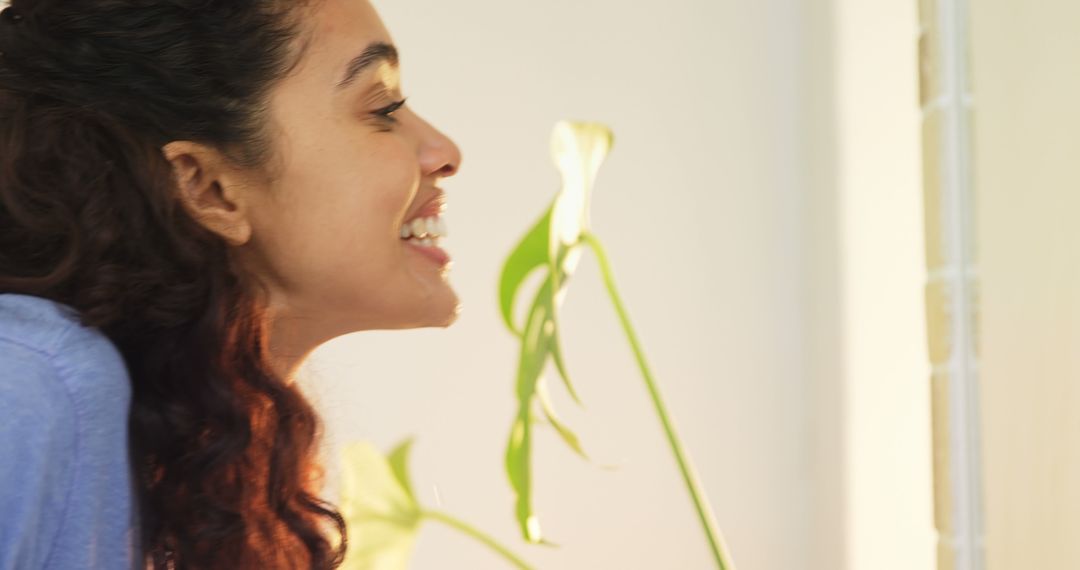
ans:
x=477 y=534
x=704 y=511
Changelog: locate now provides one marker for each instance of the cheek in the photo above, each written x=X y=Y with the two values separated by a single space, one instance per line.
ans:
x=346 y=226
x=335 y=232
x=354 y=225
x=386 y=191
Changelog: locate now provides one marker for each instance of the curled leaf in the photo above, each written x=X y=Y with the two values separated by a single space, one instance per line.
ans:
x=529 y=254
x=578 y=149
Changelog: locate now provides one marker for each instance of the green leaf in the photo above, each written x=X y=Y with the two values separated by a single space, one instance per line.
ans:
x=536 y=345
x=530 y=253
x=560 y=364
x=578 y=149
x=518 y=451
x=554 y=300
x=533 y=355
x=565 y=432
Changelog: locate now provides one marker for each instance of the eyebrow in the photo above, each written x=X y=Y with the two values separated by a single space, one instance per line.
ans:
x=373 y=54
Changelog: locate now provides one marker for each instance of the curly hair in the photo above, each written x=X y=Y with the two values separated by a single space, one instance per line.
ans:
x=226 y=452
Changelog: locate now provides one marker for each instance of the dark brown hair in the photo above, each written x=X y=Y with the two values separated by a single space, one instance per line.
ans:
x=90 y=90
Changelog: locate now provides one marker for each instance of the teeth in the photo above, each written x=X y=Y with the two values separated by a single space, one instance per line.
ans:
x=424 y=227
x=419 y=227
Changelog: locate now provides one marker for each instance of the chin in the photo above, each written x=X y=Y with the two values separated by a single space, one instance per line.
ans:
x=438 y=315
x=447 y=316
x=452 y=317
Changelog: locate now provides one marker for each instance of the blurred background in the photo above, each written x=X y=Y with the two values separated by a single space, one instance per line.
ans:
x=844 y=232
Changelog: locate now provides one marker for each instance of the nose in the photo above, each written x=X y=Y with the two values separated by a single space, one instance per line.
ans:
x=439 y=156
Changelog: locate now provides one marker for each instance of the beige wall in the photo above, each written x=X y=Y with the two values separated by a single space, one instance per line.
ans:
x=1027 y=169
x=761 y=207
x=699 y=206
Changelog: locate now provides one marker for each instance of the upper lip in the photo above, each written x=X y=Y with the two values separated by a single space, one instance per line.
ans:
x=433 y=206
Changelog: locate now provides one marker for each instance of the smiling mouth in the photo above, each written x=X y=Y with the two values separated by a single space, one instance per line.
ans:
x=426 y=235
x=424 y=229
x=429 y=247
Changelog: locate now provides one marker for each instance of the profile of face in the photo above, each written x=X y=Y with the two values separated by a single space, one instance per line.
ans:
x=353 y=168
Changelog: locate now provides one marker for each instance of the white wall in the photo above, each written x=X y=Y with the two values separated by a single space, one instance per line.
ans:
x=698 y=209
x=732 y=207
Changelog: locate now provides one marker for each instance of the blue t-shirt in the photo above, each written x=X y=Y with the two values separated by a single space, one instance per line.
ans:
x=67 y=499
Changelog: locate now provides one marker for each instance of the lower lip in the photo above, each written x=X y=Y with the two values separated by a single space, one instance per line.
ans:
x=432 y=252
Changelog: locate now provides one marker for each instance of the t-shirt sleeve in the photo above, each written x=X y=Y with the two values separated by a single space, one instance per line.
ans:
x=37 y=448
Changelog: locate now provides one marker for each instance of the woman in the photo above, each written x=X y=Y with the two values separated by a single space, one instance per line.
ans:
x=194 y=194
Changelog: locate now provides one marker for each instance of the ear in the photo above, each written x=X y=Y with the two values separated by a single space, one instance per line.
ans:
x=207 y=191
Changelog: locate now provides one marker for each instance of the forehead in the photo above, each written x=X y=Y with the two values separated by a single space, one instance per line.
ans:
x=348 y=19
x=338 y=31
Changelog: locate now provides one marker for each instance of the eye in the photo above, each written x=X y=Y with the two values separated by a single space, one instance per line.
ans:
x=386 y=113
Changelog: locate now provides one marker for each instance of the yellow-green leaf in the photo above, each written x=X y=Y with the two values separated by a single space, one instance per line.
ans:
x=381 y=516
x=399 y=465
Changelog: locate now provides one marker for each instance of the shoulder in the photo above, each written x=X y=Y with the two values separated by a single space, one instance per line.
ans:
x=35 y=323
x=64 y=403
x=38 y=412
x=46 y=339
x=33 y=395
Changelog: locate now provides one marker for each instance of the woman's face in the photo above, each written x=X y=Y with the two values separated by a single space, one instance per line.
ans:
x=326 y=230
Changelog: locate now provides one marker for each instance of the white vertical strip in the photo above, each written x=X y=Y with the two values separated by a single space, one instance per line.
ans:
x=881 y=269
x=958 y=214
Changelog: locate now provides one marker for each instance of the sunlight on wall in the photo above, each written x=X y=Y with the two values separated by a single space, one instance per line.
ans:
x=887 y=430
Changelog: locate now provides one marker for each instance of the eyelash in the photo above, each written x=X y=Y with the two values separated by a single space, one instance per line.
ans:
x=386 y=112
